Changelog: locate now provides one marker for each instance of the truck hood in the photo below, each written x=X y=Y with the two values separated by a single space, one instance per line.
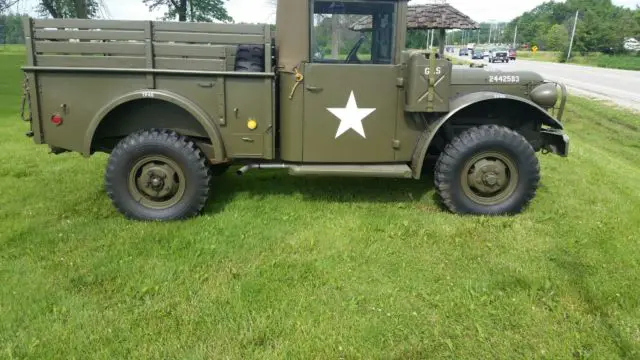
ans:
x=462 y=75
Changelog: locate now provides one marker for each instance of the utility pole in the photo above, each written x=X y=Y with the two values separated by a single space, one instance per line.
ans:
x=431 y=43
x=478 y=31
x=573 y=34
x=426 y=45
x=515 y=35
x=490 y=30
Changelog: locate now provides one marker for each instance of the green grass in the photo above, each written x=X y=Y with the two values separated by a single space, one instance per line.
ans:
x=624 y=62
x=283 y=267
x=458 y=61
x=546 y=56
x=12 y=49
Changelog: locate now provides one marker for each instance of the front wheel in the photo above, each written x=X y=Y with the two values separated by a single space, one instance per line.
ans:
x=157 y=175
x=487 y=170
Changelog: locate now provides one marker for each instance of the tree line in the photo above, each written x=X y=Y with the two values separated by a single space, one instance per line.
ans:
x=601 y=27
x=181 y=10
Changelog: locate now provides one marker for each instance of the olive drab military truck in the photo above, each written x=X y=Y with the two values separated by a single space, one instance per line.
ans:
x=333 y=91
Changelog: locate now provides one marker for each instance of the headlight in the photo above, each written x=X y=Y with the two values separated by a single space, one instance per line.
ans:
x=545 y=95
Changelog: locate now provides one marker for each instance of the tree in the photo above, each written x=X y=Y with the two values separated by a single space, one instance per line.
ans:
x=82 y=9
x=193 y=10
x=602 y=26
x=557 y=38
x=12 y=27
x=6 y=4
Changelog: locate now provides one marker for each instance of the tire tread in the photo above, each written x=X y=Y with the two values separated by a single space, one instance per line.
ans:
x=452 y=153
x=170 y=138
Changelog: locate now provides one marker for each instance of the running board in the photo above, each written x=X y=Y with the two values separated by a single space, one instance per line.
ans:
x=400 y=171
x=376 y=170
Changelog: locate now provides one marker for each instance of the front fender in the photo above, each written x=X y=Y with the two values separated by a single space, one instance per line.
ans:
x=195 y=111
x=477 y=97
x=463 y=102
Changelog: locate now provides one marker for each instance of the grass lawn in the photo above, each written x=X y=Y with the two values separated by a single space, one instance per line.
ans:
x=458 y=61
x=283 y=267
x=625 y=62
x=546 y=56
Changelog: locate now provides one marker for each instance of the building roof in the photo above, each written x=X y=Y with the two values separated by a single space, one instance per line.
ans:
x=428 y=16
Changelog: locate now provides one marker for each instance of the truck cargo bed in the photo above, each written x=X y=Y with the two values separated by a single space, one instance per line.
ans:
x=142 y=44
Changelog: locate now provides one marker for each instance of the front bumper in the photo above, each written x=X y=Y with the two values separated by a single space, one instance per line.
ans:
x=555 y=141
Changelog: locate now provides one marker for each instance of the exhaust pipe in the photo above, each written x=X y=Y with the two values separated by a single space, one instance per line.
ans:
x=246 y=168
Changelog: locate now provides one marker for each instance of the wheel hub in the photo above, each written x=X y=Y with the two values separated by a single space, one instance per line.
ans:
x=156 y=182
x=488 y=176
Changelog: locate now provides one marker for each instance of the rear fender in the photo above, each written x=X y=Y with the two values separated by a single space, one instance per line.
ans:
x=461 y=103
x=195 y=111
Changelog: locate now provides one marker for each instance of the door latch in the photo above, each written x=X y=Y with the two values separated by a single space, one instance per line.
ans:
x=299 y=79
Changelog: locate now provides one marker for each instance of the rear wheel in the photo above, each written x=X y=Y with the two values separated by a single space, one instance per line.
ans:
x=487 y=170
x=157 y=175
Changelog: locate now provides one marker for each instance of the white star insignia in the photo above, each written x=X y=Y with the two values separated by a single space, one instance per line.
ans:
x=351 y=117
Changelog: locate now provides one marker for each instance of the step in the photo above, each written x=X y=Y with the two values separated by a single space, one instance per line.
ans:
x=402 y=171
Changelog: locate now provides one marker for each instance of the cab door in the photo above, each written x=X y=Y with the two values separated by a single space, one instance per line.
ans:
x=350 y=83
x=349 y=113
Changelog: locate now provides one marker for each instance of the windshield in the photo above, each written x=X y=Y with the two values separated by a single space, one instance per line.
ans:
x=348 y=30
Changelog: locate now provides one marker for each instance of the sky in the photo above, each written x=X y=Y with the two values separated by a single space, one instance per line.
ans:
x=262 y=11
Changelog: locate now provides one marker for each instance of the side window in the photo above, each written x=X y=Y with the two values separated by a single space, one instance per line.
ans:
x=345 y=32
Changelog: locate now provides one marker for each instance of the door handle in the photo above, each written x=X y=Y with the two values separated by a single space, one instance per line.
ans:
x=313 y=88
x=205 y=84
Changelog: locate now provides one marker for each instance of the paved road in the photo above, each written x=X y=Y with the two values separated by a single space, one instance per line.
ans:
x=619 y=86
